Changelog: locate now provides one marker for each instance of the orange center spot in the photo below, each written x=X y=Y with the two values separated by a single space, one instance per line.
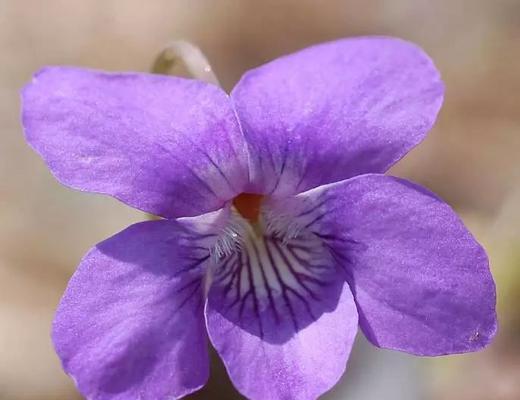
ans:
x=248 y=205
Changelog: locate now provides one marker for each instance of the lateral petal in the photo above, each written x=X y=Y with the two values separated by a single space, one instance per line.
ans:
x=130 y=324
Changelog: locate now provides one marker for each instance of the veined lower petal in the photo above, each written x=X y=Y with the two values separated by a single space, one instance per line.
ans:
x=165 y=145
x=130 y=324
x=421 y=282
x=281 y=316
x=334 y=111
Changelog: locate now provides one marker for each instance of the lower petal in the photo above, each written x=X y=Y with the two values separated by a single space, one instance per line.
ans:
x=130 y=325
x=421 y=282
x=281 y=318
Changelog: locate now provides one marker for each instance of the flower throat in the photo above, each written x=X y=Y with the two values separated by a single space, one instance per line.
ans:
x=248 y=205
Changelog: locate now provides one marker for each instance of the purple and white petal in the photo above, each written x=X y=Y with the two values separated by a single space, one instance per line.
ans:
x=281 y=318
x=334 y=111
x=421 y=282
x=130 y=324
x=165 y=145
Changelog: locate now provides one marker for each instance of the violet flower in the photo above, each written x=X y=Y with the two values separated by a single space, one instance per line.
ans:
x=280 y=234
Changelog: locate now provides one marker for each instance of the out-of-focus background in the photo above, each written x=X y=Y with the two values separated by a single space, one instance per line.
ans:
x=471 y=158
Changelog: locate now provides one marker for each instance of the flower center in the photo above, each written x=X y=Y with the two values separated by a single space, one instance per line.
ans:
x=270 y=272
x=248 y=205
x=257 y=217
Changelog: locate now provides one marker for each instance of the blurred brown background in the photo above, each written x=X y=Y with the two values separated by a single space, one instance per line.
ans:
x=471 y=159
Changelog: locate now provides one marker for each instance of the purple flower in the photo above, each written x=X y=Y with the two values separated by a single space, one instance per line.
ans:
x=280 y=234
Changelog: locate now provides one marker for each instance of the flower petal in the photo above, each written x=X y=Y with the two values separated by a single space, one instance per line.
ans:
x=130 y=324
x=334 y=111
x=421 y=282
x=280 y=319
x=165 y=145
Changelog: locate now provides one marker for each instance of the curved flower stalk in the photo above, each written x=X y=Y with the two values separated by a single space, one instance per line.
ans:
x=280 y=234
x=187 y=55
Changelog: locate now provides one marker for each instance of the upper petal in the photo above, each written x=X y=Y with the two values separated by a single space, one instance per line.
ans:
x=421 y=282
x=334 y=111
x=130 y=324
x=165 y=145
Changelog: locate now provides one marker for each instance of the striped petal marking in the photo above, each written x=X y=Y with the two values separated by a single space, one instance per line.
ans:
x=272 y=274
